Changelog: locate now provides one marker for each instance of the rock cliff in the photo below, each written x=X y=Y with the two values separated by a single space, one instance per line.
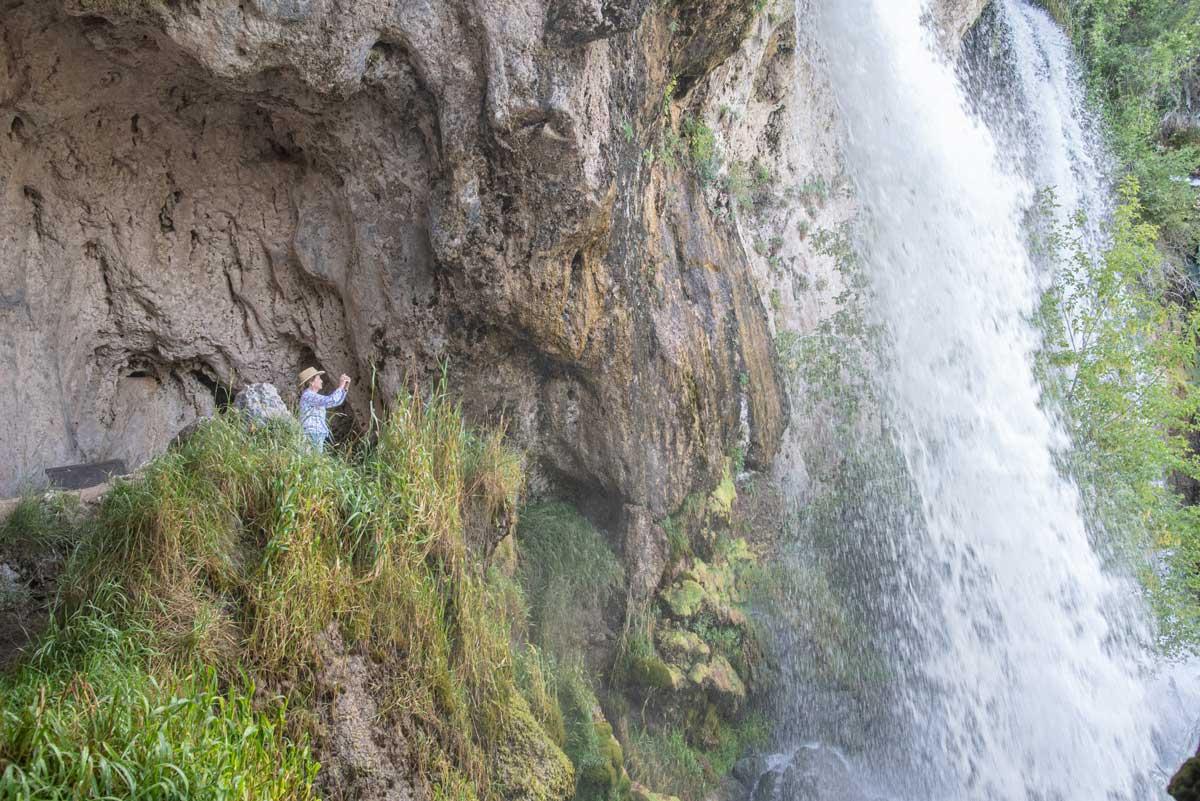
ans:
x=204 y=193
x=200 y=194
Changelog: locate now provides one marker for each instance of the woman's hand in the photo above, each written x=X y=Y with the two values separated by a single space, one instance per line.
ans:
x=345 y=381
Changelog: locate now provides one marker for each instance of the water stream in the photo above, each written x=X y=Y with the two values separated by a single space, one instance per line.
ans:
x=1014 y=663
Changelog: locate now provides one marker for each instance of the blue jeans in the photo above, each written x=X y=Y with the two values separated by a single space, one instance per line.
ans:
x=317 y=439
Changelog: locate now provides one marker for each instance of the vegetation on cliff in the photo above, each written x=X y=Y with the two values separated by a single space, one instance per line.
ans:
x=1123 y=330
x=1120 y=361
x=1141 y=58
x=247 y=619
x=205 y=601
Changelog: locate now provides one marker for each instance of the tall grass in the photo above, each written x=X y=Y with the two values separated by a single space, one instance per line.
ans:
x=241 y=550
x=86 y=718
x=672 y=764
x=569 y=574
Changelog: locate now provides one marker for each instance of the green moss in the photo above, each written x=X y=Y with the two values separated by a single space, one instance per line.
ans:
x=597 y=755
x=1185 y=784
x=684 y=598
x=682 y=647
x=722 y=683
x=722 y=498
x=526 y=765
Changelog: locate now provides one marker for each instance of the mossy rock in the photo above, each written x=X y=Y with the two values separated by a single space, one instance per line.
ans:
x=684 y=598
x=604 y=778
x=1185 y=784
x=720 y=681
x=681 y=647
x=705 y=587
x=654 y=672
x=527 y=765
x=720 y=502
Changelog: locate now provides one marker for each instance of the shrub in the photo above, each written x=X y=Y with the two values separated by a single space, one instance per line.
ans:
x=668 y=762
x=1119 y=360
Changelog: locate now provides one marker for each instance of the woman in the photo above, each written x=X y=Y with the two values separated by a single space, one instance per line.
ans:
x=313 y=405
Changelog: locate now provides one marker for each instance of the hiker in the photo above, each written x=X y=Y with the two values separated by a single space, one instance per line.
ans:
x=313 y=405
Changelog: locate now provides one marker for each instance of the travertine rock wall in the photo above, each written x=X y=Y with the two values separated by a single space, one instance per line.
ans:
x=198 y=194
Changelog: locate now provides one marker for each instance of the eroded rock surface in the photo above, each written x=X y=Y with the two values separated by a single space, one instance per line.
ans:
x=203 y=194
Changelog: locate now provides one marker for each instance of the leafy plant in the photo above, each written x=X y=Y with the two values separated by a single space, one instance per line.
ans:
x=1140 y=55
x=1120 y=360
x=86 y=717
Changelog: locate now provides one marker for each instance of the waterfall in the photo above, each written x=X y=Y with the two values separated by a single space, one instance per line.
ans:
x=1017 y=664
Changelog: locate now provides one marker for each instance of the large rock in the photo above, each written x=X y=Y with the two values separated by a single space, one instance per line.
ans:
x=1185 y=784
x=261 y=403
x=955 y=17
x=202 y=193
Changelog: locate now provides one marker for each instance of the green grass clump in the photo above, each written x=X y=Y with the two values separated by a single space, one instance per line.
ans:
x=1140 y=58
x=598 y=758
x=672 y=764
x=569 y=574
x=40 y=524
x=85 y=717
x=242 y=550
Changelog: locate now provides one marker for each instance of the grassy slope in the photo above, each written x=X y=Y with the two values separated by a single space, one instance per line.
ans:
x=187 y=653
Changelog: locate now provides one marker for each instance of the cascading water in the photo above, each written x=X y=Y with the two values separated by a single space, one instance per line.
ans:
x=1016 y=664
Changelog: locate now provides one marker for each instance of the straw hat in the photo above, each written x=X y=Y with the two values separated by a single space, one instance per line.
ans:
x=309 y=374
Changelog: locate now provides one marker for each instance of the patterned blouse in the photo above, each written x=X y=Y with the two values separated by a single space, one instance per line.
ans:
x=312 y=410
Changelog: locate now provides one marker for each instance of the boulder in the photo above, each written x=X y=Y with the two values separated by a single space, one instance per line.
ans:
x=721 y=682
x=1185 y=784
x=12 y=589
x=261 y=403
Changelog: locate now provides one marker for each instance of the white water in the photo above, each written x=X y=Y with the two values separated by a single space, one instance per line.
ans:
x=1028 y=676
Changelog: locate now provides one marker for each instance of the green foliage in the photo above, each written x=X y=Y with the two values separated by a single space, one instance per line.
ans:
x=537 y=676
x=597 y=756
x=627 y=130
x=832 y=360
x=85 y=717
x=41 y=523
x=694 y=144
x=239 y=549
x=569 y=574
x=701 y=149
x=1120 y=359
x=1139 y=54
x=672 y=764
x=669 y=95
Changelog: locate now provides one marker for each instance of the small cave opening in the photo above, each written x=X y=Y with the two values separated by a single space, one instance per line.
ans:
x=222 y=393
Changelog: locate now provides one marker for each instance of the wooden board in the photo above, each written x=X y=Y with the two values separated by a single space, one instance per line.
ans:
x=82 y=476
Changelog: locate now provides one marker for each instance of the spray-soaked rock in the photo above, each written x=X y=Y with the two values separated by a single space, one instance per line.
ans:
x=1185 y=784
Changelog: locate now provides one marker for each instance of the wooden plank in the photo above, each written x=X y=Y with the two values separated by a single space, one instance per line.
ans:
x=82 y=476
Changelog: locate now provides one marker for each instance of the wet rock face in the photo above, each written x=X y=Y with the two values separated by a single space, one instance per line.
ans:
x=203 y=194
x=955 y=17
